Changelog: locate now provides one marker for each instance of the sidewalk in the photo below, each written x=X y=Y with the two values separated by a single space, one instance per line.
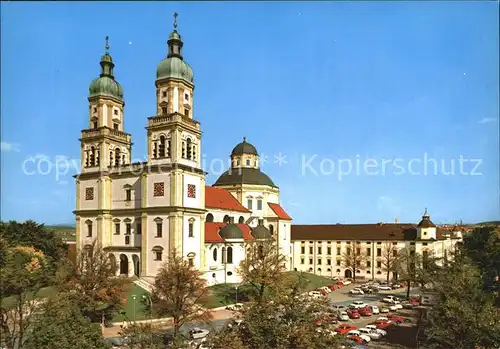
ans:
x=164 y=323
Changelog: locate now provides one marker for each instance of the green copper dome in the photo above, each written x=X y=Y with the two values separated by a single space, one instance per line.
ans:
x=105 y=84
x=244 y=148
x=231 y=231
x=244 y=175
x=260 y=233
x=174 y=65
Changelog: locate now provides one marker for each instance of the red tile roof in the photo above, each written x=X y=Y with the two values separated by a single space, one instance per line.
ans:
x=280 y=212
x=212 y=231
x=222 y=199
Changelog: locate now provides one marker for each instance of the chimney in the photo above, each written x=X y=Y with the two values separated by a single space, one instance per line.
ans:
x=261 y=221
x=396 y=220
x=231 y=220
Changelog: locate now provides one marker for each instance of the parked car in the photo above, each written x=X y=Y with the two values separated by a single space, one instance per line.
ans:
x=367 y=290
x=342 y=316
x=356 y=291
x=375 y=309
x=315 y=294
x=385 y=288
x=396 y=286
x=346 y=282
x=359 y=334
x=370 y=333
x=389 y=299
x=397 y=318
x=325 y=288
x=332 y=287
x=360 y=304
x=344 y=328
x=365 y=311
x=378 y=330
x=353 y=314
x=198 y=333
x=384 y=310
x=381 y=324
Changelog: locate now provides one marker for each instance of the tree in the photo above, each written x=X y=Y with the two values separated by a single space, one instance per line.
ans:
x=35 y=235
x=141 y=336
x=24 y=272
x=406 y=266
x=178 y=292
x=285 y=320
x=389 y=258
x=352 y=259
x=100 y=293
x=482 y=246
x=464 y=315
x=263 y=267
x=61 y=325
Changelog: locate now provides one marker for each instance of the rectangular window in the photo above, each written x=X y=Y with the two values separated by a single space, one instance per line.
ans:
x=191 y=230
x=117 y=228
x=159 y=230
x=249 y=204
x=138 y=228
x=348 y=251
x=394 y=253
x=338 y=251
x=164 y=93
x=302 y=261
x=186 y=112
x=379 y=243
x=379 y=252
x=310 y=261
x=358 y=251
x=115 y=111
x=89 y=230
x=158 y=256
x=259 y=204
x=328 y=250
x=329 y=261
x=319 y=261
x=159 y=189
x=379 y=264
x=311 y=251
x=115 y=126
x=186 y=96
x=128 y=228
x=128 y=194
x=368 y=251
x=302 y=250
x=127 y=239
x=191 y=261
x=95 y=110
x=320 y=250
x=248 y=162
x=368 y=264
x=424 y=244
x=338 y=262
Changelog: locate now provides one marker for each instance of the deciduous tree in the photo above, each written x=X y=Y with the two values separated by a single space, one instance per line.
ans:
x=142 y=336
x=352 y=259
x=406 y=266
x=263 y=267
x=178 y=292
x=389 y=258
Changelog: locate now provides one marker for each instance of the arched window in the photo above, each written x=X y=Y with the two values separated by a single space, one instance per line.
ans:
x=161 y=150
x=194 y=153
x=189 y=149
x=92 y=156
x=111 y=158
x=214 y=254
x=210 y=218
x=223 y=255
x=183 y=149
x=229 y=257
x=241 y=220
x=226 y=219
x=155 y=150
x=260 y=251
x=168 y=148
x=271 y=229
x=117 y=157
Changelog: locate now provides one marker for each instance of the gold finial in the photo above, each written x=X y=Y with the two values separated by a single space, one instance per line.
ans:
x=107 y=44
x=425 y=213
x=175 y=20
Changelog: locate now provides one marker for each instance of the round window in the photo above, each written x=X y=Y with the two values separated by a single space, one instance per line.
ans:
x=229 y=273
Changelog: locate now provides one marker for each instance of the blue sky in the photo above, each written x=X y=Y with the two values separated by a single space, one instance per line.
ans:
x=321 y=82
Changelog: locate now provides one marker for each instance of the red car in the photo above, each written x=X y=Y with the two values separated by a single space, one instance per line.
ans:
x=332 y=287
x=344 y=328
x=366 y=311
x=357 y=339
x=323 y=292
x=396 y=318
x=381 y=324
x=353 y=314
x=339 y=284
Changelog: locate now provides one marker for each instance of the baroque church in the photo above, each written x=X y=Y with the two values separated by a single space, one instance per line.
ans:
x=140 y=212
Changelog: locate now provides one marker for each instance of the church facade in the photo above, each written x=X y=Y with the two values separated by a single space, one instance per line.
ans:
x=140 y=212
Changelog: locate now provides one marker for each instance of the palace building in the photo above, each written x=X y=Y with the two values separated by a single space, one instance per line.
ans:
x=140 y=212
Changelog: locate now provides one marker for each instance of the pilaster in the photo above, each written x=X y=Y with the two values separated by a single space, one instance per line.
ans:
x=77 y=232
x=144 y=244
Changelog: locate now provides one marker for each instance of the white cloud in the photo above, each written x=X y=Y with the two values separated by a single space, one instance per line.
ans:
x=9 y=147
x=487 y=120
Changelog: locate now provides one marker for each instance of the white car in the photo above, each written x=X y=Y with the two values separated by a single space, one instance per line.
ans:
x=343 y=316
x=375 y=310
x=378 y=330
x=346 y=282
x=359 y=334
x=356 y=291
x=315 y=294
x=198 y=333
x=389 y=299
x=360 y=304
x=393 y=307
x=383 y=318
x=326 y=289
x=370 y=333
x=384 y=288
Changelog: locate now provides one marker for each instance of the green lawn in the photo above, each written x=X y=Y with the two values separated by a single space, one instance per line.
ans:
x=314 y=281
x=8 y=302
x=134 y=309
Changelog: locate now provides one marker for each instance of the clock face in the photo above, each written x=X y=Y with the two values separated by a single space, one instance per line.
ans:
x=191 y=191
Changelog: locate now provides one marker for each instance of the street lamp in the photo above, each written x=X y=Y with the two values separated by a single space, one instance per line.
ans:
x=133 y=298
x=236 y=294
